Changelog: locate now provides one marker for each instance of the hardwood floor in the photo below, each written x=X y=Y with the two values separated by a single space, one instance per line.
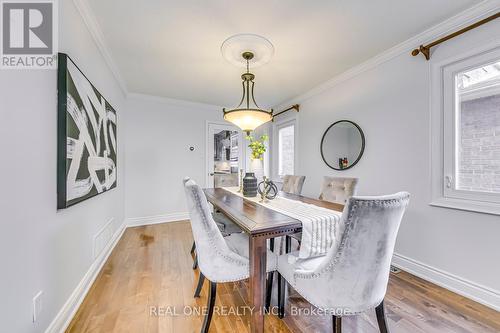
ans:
x=147 y=285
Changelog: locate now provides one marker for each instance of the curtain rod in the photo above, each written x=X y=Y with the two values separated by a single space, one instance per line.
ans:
x=426 y=49
x=293 y=107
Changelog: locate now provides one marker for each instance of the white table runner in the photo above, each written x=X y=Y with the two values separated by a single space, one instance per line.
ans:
x=320 y=226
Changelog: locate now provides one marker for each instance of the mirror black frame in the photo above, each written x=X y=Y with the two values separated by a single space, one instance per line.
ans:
x=362 y=144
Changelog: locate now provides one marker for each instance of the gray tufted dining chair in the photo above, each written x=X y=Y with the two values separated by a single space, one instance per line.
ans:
x=338 y=189
x=225 y=225
x=352 y=277
x=293 y=184
x=220 y=259
x=333 y=189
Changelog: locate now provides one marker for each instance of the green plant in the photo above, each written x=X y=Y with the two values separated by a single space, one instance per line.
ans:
x=257 y=146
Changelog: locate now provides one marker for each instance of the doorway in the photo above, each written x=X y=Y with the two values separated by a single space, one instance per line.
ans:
x=225 y=155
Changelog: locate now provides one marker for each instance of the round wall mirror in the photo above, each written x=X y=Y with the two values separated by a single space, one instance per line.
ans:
x=342 y=145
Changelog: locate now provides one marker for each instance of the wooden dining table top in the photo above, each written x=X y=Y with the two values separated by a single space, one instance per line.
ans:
x=254 y=218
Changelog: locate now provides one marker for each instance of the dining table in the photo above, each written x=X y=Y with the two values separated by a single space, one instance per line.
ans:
x=260 y=223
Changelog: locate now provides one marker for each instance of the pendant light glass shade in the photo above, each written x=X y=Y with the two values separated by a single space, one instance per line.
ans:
x=247 y=115
x=248 y=119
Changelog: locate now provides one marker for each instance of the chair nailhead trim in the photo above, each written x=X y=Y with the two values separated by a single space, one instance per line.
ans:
x=402 y=201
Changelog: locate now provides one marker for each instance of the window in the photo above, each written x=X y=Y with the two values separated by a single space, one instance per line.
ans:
x=283 y=148
x=286 y=150
x=477 y=140
x=470 y=133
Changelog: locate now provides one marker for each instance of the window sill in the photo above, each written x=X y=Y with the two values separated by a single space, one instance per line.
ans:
x=467 y=205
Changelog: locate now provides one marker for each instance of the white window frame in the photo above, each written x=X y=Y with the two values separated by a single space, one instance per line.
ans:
x=277 y=125
x=444 y=124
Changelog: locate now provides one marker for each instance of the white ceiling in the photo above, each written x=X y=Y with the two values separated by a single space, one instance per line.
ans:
x=172 y=48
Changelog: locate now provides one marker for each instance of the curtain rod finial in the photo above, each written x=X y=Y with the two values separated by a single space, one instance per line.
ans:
x=425 y=50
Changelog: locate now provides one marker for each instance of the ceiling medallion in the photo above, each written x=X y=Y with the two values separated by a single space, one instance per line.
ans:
x=233 y=47
x=247 y=115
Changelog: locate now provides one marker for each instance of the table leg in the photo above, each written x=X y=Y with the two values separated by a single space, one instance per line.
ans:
x=258 y=257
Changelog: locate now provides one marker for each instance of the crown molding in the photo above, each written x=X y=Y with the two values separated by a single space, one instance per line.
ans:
x=462 y=19
x=90 y=20
x=173 y=101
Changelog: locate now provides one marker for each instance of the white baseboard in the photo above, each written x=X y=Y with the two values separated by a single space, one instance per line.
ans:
x=67 y=312
x=155 y=219
x=461 y=286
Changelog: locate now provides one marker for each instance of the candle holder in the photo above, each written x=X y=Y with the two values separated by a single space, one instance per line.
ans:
x=241 y=181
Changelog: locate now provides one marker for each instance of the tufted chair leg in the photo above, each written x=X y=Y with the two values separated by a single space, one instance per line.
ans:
x=269 y=290
x=382 y=322
x=212 y=291
x=195 y=263
x=281 y=296
x=337 y=324
x=201 y=279
x=282 y=282
x=193 y=248
x=270 y=277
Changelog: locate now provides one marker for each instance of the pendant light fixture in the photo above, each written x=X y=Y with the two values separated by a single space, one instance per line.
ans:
x=248 y=115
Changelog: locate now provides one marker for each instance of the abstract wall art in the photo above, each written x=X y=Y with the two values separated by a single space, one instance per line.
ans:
x=86 y=138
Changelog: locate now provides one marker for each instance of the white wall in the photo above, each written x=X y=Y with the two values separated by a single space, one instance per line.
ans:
x=391 y=105
x=42 y=248
x=159 y=133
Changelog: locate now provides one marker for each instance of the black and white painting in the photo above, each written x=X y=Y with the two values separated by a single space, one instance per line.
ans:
x=87 y=147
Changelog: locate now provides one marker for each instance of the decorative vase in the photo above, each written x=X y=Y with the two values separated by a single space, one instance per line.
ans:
x=257 y=167
x=249 y=185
